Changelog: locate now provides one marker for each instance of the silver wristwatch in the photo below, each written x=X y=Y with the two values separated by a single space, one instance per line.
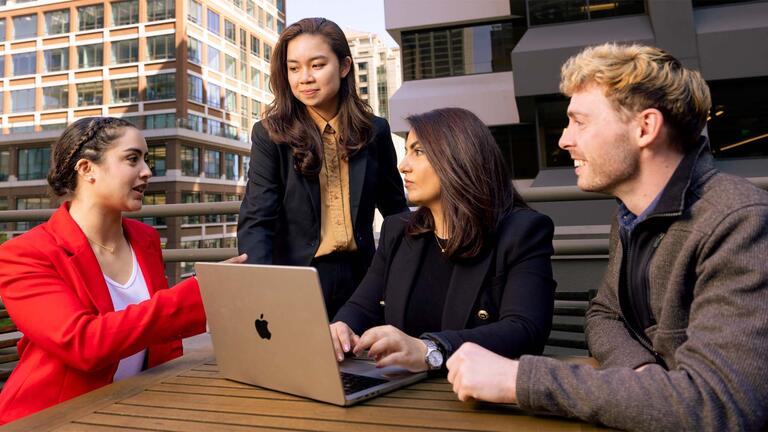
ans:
x=434 y=357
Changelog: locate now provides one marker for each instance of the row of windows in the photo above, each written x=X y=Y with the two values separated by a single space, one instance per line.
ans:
x=125 y=12
x=558 y=11
x=125 y=90
x=213 y=18
x=454 y=51
x=232 y=67
x=125 y=51
x=218 y=97
x=212 y=161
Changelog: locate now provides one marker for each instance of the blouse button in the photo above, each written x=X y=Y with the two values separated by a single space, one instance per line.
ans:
x=482 y=314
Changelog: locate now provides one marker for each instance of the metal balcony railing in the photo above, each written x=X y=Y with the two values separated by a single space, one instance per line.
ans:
x=530 y=194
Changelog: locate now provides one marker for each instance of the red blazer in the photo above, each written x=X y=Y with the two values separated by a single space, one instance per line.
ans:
x=54 y=290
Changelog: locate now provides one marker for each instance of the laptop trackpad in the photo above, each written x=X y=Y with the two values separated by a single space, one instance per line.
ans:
x=368 y=368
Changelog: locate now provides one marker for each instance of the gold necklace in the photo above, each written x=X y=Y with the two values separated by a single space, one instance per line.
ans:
x=437 y=239
x=111 y=250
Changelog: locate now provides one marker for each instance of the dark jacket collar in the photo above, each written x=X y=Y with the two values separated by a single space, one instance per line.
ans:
x=696 y=167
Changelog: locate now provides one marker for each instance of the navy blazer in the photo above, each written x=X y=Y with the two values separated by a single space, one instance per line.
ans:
x=502 y=299
x=280 y=215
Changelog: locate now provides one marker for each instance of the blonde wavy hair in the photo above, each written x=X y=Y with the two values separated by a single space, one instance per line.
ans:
x=637 y=77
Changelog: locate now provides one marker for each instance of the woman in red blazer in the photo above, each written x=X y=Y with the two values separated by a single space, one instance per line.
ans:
x=54 y=279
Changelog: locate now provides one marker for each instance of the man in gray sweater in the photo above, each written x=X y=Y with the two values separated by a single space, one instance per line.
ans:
x=680 y=323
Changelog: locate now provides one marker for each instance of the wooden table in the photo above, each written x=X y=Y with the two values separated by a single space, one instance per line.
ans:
x=188 y=394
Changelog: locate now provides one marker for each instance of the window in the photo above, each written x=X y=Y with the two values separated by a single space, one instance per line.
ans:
x=161 y=47
x=232 y=217
x=230 y=101
x=24 y=63
x=52 y=126
x=230 y=166
x=125 y=51
x=229 y=131
x=270 y=21
x=125 y=90
x=189 y=198
x=255 y=109
x=255 y=77
x=195 y=88
x=5 y=167
x=280 y=26
x=89 y=94
x=255 y=45
x=55 y=60
x=212 y=197
x=250 y=7
x=519 y=149
x=195 y=11
x=738 y=121
x=214 y=127
x=2 y=29
x=243 y=71
x=363 y=78
x=213 y=58
x=89 y=56
x=551 y=120
x=194 y=50
x=229 y=30
x=363 y=90
x=212 y=160
x=34 y=163
x=190 y=161
x=214 y=95
x=267 y=83
x=55 y=97
x=244 y=106
x=243 y=40
x=280 y=4
x=459 y=51
x=34 y=203
x=125 y=12
x=155 y=198
x=2 y=70
x=195 y=122
x=156 y=159
x=230 y=66
x=158 y=10
x=22 y=100
x=558 y=11
x=25 y=26
x=56 y=22
x=362 y=66
x=267 y=52
x=161 y=86
x=161 y=121
x=90 y=17
x=214 y=23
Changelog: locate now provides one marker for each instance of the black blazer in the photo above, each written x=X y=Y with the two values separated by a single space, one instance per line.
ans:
x=502 y=300
x=280 y=215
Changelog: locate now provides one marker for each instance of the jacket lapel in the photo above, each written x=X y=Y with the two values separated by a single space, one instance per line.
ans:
x=70 y=237
x=407 y=261
x=312 y=186
x=357 y=166
x=148 y=256
x=466 y=282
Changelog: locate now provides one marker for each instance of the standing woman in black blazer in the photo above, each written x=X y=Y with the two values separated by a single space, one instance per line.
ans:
x=471 y=264
x=320 y=164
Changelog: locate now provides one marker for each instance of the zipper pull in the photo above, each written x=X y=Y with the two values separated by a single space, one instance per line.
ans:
x=657 y=242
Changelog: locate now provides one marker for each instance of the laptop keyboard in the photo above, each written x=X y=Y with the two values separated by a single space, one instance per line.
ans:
x=355 y=383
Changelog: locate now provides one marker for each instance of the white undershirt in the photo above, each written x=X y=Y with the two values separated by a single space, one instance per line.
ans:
x=132 y=292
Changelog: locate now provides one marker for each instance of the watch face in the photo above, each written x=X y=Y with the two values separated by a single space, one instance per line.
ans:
x=435 y=359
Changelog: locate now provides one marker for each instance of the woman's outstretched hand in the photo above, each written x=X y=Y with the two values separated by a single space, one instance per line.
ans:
x=236 y=259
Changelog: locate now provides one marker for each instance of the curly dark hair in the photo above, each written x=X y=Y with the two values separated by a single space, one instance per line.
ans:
x=86 y=138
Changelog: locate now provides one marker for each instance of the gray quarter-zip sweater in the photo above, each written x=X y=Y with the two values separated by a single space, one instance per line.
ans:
x=706 y=284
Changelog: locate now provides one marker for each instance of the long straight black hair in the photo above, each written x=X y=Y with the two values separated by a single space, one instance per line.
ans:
x=475 y=190
x=287 y=120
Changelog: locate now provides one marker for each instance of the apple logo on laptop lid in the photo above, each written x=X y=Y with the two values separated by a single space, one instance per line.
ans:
x=262 y=328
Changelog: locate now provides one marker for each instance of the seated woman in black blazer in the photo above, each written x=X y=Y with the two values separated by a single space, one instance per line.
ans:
x=471 y=264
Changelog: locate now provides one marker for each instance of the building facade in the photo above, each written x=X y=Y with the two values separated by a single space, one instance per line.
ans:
x=193 y=74
x=378 y=69
x=501 y=59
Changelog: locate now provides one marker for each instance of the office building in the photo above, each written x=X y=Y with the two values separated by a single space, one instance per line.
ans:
x=193 y=74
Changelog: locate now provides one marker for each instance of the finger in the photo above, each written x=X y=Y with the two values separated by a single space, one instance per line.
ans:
x=382 y=347
x=366 y=340
x=343 y=335
x=394 y=359
x=237 y=259
x=336 y=344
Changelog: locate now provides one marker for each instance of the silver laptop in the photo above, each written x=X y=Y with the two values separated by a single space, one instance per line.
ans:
x=269 y=328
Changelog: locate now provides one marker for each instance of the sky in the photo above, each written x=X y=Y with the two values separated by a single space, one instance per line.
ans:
x=366 y=15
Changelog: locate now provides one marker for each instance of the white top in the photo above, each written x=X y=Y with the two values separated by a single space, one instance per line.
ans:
x=132 y=292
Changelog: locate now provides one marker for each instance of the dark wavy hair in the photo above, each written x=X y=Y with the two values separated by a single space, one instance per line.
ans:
x=287 y=120
x=476 y=192
x=86 y=138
